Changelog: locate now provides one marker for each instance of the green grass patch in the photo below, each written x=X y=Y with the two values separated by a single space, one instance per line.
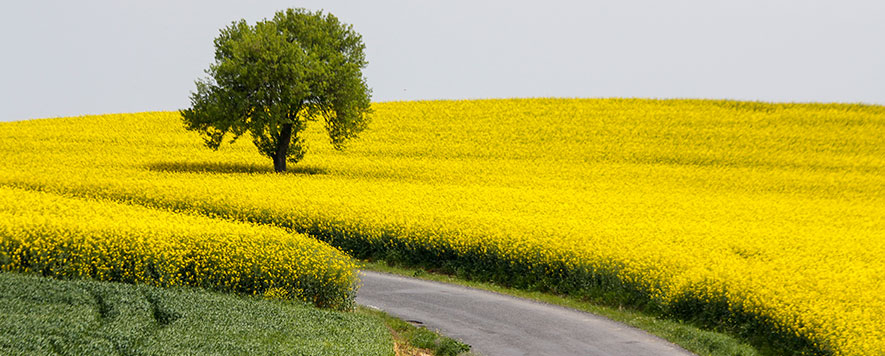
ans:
x=40 y=315
x=419 y=337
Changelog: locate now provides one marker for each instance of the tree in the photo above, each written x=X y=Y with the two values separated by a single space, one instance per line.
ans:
x=269 y=80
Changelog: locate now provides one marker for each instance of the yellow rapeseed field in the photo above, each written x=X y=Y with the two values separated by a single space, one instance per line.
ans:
x=772 y=212
x=75 y=238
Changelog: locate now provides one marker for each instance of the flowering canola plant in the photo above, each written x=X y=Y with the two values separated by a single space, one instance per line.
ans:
x=760 y=213
x=74 y=238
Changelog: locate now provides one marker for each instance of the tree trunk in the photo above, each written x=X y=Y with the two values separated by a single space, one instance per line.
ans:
x=279 y=159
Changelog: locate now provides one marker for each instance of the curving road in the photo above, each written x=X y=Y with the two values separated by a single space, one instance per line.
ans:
x=495 y=324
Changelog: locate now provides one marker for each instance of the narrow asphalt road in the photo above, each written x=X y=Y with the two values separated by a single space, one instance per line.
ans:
x=495 y=324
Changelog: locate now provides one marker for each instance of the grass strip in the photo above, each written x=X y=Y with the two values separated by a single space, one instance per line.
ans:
x=688 y=336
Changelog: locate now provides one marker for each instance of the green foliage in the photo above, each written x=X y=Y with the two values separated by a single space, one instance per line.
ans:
x=41 y=315
x=270 y=79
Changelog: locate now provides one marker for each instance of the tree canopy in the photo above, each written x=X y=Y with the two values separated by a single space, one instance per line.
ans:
x=270 y=79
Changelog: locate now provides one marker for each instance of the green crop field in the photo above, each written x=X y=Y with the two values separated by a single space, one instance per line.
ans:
x=43 y=316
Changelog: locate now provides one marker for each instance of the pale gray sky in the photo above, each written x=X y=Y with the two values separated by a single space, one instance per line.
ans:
x=62 y=58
